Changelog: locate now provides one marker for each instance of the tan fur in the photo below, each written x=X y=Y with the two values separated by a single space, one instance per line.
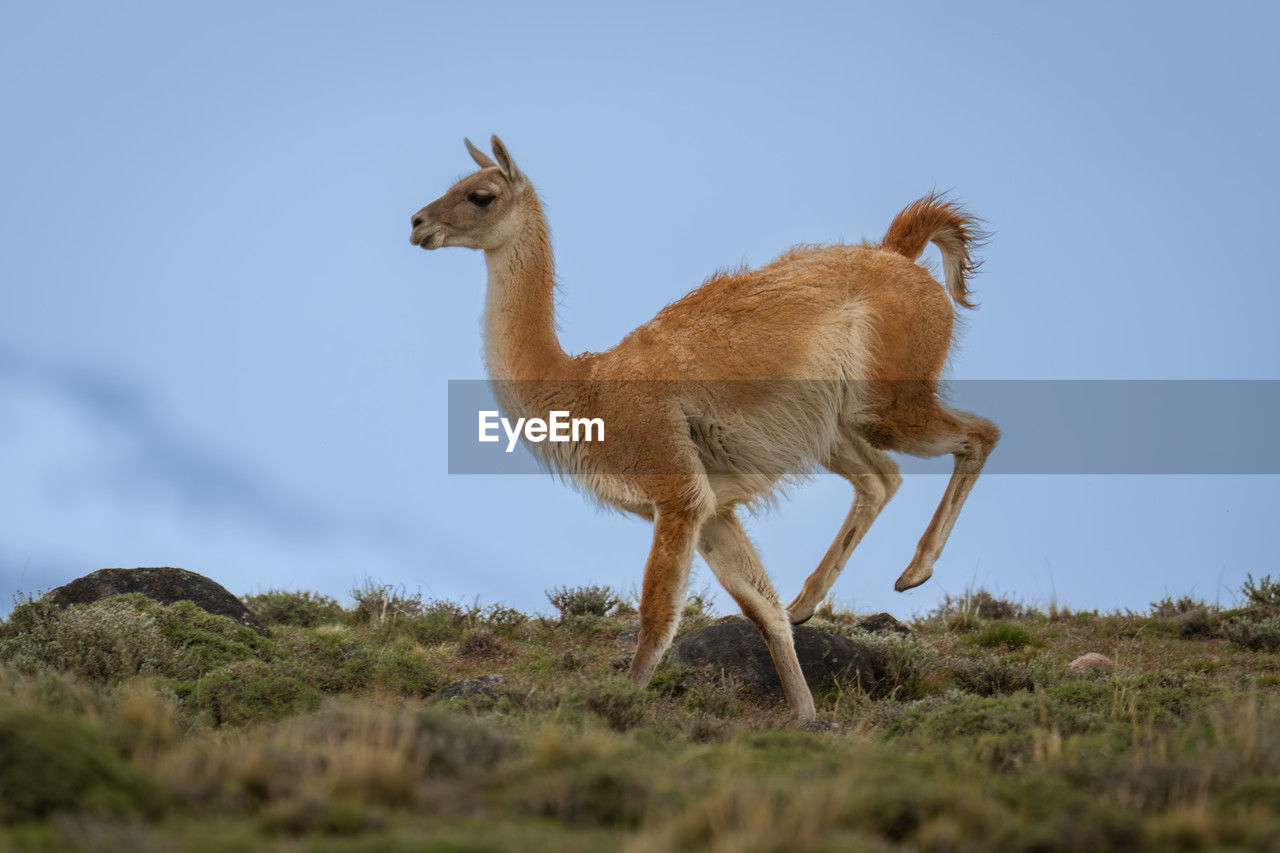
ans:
x=828 y=356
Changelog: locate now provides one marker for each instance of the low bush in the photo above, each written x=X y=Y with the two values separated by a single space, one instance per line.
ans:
x=342 y=753
x=110 y=639
x=967 y=611
x=334 y=659
x=379 y=604
x=440 y=622
x=250 y=690
x=1262 y=635
x=993 y=678
x=303 y=609
x=619 y=704
x=50 y=763
x=1168 y=607
x=1008 y=634
x=1263 y=592
x=583 y=600
x=126 y=635
x=901 y=662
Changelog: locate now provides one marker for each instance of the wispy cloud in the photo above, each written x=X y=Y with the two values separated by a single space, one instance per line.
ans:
x=141 y=454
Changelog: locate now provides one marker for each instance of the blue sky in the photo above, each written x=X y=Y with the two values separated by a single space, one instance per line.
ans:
x=219 y=351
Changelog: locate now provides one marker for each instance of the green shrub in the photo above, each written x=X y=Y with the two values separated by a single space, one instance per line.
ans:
x=1167 y=607
x=1004 y=634
x=481 y=643
x=697 y=604
x=334 y=659
x=901 y=662
x=49 y=763
x=53 y=690
x=591 y=624
x=618 y=703
x=1264 y=592
x=344 y=754
x=583 y=600
x=440 y=622
x=401 y=670
x=1200 y=622
x=126 y=635
x=601 y=793
x=993 y=678
x=504 y=620
x=965 y=612
x=251 y=690
x=1262 y=635
x=303 y=609
x=205 y=642
x=110 y=639
x=1186 y=617
x=715 y=696
x=379 y=604
x=1068 y=707
x=432 y=740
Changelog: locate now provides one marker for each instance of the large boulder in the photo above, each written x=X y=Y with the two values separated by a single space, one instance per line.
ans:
x=736 y=647
x=165 y=585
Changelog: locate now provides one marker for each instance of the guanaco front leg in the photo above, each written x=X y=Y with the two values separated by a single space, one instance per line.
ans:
x=675 y=534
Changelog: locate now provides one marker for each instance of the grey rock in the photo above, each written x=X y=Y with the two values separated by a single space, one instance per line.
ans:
x=163 y=584
x=736 y=647
x=883 y=623
x=467 y=688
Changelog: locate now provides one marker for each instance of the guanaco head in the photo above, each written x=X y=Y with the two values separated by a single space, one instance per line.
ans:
x=478 y=212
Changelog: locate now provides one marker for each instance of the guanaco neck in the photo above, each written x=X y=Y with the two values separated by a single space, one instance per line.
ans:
x=519 y=324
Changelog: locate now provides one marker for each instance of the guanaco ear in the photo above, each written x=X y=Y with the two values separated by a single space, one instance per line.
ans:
x=481 y=158
x=508 y=166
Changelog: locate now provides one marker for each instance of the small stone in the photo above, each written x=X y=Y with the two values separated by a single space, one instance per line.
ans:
x=1091 y=662
x=468 y=688
x=883 y=623
x=821 y=726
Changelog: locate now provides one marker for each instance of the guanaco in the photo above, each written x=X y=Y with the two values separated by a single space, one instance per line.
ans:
x=828 y=356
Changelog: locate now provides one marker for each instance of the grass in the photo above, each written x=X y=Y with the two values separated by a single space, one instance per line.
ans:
x=130 y=724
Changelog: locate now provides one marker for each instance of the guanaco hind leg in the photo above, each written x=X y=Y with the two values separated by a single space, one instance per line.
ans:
x=875 y=479
x=726 y=548
x=970 y=439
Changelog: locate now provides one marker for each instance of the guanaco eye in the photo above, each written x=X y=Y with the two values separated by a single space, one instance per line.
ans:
x=480 y=199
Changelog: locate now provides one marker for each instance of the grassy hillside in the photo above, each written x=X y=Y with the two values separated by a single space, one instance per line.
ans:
x=129 y=725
